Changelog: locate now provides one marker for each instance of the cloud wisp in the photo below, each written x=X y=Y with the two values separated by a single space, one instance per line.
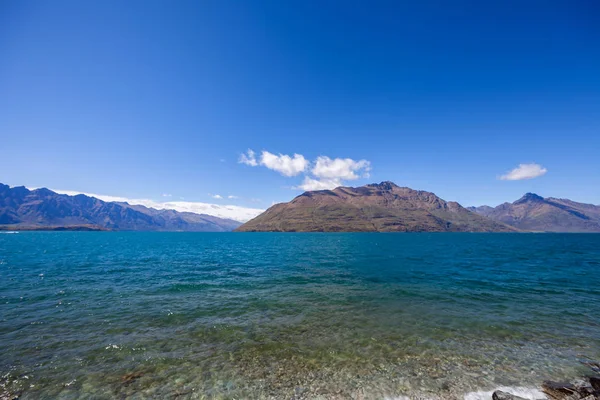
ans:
x=524 y=171
x=248 y=158
x=319 y=184
x=327 y=173
x=237 y=213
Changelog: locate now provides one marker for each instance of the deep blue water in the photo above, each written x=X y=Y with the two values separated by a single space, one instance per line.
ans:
x=272 y=315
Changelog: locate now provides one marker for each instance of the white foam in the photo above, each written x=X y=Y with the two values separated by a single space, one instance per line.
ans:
x=526 y=393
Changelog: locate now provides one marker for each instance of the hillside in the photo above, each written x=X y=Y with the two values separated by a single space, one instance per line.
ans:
x=383 y=207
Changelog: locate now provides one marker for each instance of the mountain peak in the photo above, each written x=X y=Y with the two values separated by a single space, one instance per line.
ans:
x=529 y=197
x=385 y=185
x=44 y=191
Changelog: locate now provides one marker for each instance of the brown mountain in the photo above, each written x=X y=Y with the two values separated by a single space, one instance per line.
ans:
x=382 y=207
x=538 y=214
x=21 y=208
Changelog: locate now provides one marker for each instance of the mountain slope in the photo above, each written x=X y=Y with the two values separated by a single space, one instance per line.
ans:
x=382 y=207
x=20 y=206
x=535 y=213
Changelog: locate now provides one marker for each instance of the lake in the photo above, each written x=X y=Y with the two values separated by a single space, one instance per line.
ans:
x=141 y=315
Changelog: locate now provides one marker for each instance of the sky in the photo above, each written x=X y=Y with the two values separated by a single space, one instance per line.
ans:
x=227 y=103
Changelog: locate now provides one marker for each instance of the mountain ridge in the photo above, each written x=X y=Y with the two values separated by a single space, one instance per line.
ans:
x=535 y=213
x=42 y=207
x=377 y=207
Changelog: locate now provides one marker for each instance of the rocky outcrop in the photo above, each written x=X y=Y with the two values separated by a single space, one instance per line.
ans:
x=567 y=391
x=586 y=390
x=500 y=395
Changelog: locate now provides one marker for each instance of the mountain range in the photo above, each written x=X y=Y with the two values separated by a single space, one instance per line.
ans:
x=21 y=208
x=383 y=207
x=534 y=213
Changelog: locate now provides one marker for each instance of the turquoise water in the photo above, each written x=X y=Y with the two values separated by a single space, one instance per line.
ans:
x=270 y=315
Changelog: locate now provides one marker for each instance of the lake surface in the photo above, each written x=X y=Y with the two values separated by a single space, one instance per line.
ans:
x=108 y=315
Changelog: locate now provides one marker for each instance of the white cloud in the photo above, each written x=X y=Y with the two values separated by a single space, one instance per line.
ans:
x=319 y=184
x=237 y=213
x=232 y=197
x=166 y=195
x=248 y=158
x=323 y=173
x=284 y=164
x=340 y=168
x=116 y=199
x=524 y=171
x=330 y=173
x=217 y=196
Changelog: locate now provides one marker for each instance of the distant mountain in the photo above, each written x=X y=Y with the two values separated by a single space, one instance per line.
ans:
x=34 y=209
x=383 y=207
x=535 y=213
x=481 y=210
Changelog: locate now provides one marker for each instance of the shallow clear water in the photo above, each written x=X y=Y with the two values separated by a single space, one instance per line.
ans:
x=270 y=315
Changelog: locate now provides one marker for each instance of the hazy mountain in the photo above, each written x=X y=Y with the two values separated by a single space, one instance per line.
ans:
x=382 y=207
x=481 y=210
x=20 y=206
x=535 y=213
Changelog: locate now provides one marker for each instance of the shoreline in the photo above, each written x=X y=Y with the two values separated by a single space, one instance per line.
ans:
x=142 y=384
x=580 y=390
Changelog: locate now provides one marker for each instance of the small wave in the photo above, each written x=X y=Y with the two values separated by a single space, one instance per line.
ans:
x=526 y=393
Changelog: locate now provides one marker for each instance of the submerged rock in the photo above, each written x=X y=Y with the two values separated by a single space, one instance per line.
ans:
x=500 y=395
x=130 y=377
x=595 y=382
x=568 y=391
x=558 y=390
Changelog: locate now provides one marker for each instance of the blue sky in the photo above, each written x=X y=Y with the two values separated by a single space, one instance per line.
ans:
x=143 y=98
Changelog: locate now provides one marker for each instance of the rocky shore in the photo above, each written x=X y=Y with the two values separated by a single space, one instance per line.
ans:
x=586 y=389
